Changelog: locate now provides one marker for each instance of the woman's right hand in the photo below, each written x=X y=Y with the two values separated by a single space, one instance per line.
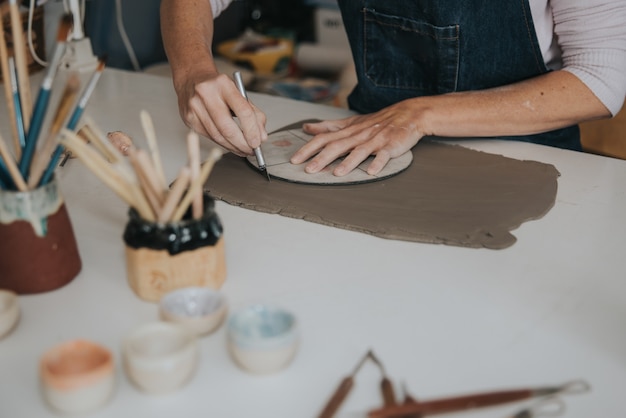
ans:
x=207 y=102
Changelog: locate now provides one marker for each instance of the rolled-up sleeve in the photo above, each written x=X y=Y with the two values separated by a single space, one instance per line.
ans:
x=218 y=6
x=592 y=37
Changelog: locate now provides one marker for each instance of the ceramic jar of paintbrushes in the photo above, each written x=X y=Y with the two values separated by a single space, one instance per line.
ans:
x=161 y=257
x=38 y=250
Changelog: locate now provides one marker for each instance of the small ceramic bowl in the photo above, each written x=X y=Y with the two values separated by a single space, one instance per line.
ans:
x=9 y=312
x=201 y=310
x=160 y=357
x=77 y=376
x=262 y=339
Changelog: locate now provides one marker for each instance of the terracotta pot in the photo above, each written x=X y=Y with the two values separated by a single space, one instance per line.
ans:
x=161 y=257
x=38 y=250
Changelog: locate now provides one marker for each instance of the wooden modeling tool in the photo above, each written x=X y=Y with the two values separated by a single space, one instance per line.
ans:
x=257 y=151
x=386 y=387
x=193 y=155
x=148 y=129
x=342 y=391
x=8 y=91
x=43 y=97
x=479 y=400
x=196 y=185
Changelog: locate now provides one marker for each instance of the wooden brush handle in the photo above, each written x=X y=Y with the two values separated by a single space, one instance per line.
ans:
x=446 y=405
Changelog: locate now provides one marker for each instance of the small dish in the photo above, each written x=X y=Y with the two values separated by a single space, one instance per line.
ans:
x=77 y=376
x=160 y=357
x=9 y=311
x=263 y=339
x=201 y=310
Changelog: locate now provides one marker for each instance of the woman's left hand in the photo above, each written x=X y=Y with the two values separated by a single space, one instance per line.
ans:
x=386 y=134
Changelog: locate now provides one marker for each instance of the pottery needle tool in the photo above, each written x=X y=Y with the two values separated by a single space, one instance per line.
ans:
x=74 y=118
x=193 y=155
x=12 y=166
x=19 y=51
x=43 y=97
x=479 y=400
x=342 y=391
x=386 y=387
x=257 y=151
x=8 y=92
x=148 y=128
x=17 y=105
x=42 y=156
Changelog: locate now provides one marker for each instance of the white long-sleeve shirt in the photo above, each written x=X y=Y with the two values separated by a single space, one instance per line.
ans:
x=584 y=37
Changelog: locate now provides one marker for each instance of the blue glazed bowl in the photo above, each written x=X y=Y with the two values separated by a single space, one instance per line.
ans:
x=263 y=339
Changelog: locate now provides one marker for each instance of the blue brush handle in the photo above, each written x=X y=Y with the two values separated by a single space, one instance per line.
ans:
x=71 y=125
x=5 y=177
x=21 y=133
x=33 y=131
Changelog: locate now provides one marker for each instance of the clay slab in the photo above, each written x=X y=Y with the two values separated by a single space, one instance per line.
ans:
x=449 y=195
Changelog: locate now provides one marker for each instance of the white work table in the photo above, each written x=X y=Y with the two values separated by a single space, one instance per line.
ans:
x=443 y=320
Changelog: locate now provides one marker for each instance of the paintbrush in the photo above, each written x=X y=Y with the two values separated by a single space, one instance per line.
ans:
x=17 y=105
x=8 y=91
x=43 y=97
x=11 y=165
x=42 y=156
x=74 y=118
x=19 y=51
x=257 y=151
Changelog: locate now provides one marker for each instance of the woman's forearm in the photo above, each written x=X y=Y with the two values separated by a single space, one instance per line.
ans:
x=550 y=101
x=187 y=31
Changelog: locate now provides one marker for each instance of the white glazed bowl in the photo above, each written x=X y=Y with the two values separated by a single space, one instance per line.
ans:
x=263 y=339
x=199 y=309
x=9 y=311
x=160 y=357
x=77 y=376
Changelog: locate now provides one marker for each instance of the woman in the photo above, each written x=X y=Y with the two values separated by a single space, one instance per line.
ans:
x=528 y=70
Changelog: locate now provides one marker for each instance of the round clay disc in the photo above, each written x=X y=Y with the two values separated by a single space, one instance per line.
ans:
x=282 y=144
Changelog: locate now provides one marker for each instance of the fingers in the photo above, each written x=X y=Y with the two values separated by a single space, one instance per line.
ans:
x=356 y=143
x=207 y=110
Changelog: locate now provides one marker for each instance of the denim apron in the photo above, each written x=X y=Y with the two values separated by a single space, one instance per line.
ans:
x=405 y=49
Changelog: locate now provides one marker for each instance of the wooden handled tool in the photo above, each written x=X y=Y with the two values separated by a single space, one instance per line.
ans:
x=342 y=391
x=386 y=387
x=479 y=400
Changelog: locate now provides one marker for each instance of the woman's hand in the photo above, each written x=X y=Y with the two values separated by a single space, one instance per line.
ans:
x=206 y=99
x=386 y=134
